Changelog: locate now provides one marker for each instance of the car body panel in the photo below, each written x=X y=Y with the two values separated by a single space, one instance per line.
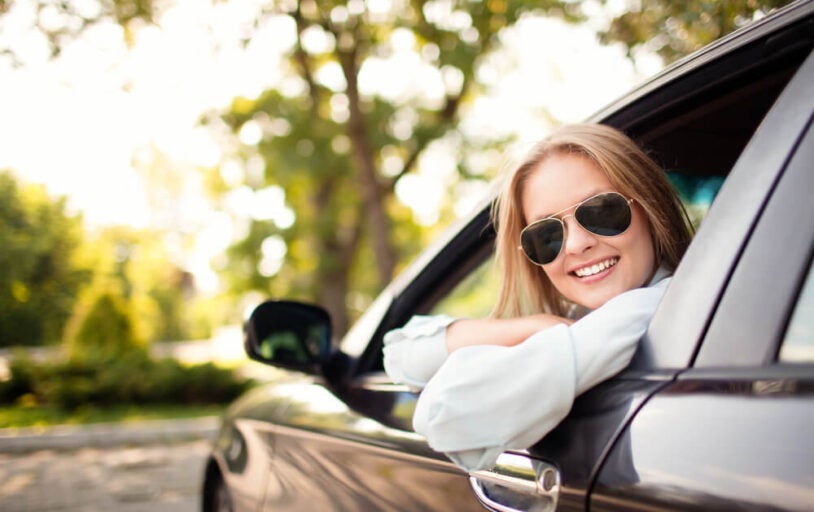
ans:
x=244 y=442
x=781 y=241
x=578 y=445
x=712 y=442
x=318 y=453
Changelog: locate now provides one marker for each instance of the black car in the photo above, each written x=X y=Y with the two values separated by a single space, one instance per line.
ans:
x=714 y=412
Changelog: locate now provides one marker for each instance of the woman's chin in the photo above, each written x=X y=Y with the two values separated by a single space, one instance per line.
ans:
x=595 y=296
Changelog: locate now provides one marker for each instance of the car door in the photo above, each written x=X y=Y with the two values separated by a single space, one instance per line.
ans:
x=733 y=431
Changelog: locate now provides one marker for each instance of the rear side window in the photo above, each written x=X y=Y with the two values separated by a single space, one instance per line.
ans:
x=696 y=192
x=798 y=344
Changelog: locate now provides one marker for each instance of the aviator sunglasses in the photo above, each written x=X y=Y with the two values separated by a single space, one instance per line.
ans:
x=606 y=214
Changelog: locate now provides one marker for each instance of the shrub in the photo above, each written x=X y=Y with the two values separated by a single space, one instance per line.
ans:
x=106 y=331
x=131 y=378
x=23 y=375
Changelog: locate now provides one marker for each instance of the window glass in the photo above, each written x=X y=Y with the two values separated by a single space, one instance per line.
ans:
x=798 y=345
x=696 y=192
x=474 y=296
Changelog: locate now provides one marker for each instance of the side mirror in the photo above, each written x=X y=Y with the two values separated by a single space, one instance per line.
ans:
x=289 y=335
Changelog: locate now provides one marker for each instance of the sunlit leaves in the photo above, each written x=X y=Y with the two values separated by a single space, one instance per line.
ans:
x=332 y=178
x=675 y=28
x=377 y=84
x=59 y=23
x=39 y=271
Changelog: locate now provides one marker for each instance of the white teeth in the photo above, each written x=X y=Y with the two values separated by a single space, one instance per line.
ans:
x=597 y=268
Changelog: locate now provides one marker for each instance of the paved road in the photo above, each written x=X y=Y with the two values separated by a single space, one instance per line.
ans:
x=150 y=478
x=151 y=466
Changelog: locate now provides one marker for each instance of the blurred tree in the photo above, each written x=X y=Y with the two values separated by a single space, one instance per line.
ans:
x=60 y=22
x=135 y=268
x=39 y=271
x=52 y=271
x=330 y=139
x=106 y=330
x=672 y=28
x=675 y=28
x=337 y=146
x=333 y=148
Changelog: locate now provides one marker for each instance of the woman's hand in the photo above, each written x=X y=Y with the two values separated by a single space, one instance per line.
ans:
x=498 y=331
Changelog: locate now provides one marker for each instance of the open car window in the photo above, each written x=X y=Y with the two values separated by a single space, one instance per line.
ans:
x=474 y=296
x=697 y=132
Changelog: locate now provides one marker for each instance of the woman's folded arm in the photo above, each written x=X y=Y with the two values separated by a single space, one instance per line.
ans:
x=413 y=353
x=485 y=399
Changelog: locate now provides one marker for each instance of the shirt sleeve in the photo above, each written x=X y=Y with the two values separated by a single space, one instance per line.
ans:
x=486 y=399
x=413 y=353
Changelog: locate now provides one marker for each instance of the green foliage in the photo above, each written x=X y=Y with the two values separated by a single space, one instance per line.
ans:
x=474 y=296
x=135 y=267
x=675 y=28
x=39 y=272
x=330 y=147
x=130 y=378
x=22 y=415
x=62 y=22
x=53 y=274
x=327 y=147
x=106 y=331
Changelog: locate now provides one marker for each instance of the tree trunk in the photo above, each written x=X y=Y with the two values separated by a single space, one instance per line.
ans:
x=373 y=193
x=334 y=273
x=333 y=290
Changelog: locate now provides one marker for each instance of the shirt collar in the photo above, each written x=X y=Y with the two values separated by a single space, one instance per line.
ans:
x=661 y=273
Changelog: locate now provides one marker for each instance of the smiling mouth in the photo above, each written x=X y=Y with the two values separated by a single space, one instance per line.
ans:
x=596 y=268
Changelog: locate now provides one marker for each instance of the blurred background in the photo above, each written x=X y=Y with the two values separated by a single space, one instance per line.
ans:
x=165 y=165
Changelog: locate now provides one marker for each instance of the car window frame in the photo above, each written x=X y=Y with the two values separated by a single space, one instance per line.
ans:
x=734 y=338
x=689 y=305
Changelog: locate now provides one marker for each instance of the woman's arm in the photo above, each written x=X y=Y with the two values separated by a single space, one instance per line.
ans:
x=487 y=399
x=413 y=353
x=498 y=331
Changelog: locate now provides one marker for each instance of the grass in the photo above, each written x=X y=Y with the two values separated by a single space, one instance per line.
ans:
x=43 y=416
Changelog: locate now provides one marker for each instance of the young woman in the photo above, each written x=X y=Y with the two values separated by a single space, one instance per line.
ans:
x=586 y=223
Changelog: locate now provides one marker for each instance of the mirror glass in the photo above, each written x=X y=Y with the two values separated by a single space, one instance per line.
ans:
x=288 y=333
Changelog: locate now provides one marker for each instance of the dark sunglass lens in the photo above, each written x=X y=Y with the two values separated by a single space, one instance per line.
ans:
x=605 y=215
x=542 y=241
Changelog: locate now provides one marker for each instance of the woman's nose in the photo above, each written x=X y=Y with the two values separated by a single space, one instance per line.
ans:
x=578 y=239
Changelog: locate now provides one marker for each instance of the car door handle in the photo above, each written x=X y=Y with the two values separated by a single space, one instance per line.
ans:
x=517 y=483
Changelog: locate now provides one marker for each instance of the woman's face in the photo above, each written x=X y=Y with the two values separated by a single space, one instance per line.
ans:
x=561 y=181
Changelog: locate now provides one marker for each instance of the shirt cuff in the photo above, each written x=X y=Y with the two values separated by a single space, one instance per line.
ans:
x=413 y=353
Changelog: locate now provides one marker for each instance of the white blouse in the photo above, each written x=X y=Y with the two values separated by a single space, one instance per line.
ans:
x=482 y=400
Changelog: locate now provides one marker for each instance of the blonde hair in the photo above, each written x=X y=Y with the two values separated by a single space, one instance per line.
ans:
x=525 y=289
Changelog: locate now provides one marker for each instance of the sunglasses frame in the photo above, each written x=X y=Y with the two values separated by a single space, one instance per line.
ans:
x=561 y=220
